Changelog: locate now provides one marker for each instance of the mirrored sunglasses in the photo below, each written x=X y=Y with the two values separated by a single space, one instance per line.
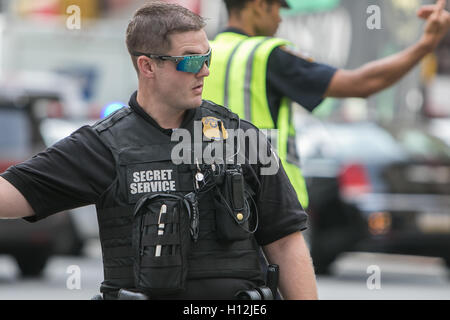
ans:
x=190 y=63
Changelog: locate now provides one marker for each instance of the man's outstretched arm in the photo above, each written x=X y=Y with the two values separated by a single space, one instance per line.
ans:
x=12 y=203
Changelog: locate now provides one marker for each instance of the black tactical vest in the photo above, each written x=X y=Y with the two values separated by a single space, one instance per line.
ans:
x=142 y=155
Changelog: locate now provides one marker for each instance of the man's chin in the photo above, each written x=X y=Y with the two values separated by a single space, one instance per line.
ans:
x=193 y=105
x=198 y=102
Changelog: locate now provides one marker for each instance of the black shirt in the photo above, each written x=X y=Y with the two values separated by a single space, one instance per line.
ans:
x=77 y=170
x=291 y=76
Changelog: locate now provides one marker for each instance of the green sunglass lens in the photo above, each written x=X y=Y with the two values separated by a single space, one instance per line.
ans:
x=193 y=64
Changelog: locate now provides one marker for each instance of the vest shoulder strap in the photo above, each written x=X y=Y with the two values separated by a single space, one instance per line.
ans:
x=106 y=123
x=219 y=110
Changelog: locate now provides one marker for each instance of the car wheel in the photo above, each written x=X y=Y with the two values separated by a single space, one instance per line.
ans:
x=447 y=262
x=71 y=243
x=32 y=263
x=321 y=256
x=322 y=265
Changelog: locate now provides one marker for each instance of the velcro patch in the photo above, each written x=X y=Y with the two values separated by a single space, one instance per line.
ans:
x=150 y=178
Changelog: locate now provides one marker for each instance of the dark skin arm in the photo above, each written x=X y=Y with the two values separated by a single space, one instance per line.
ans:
x=378 y=75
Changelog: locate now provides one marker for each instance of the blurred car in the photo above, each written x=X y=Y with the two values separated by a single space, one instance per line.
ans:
x=375 y=190
x=24 y=131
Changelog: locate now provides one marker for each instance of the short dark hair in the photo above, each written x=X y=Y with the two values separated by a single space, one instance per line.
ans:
x=238 y=5
x=153 y=23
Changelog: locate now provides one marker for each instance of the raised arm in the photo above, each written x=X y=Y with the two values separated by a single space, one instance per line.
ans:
x=12 y=202
x=297 y=279
x=380 y=74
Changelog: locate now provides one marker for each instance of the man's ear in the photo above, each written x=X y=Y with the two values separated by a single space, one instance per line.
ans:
x=258 y=6
x=146 y=66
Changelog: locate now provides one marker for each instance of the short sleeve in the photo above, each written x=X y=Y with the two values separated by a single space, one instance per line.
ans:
x=72 y=173
x=280 y=212
x=302 y=81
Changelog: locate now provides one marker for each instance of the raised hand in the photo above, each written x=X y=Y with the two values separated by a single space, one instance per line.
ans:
x=437 y=25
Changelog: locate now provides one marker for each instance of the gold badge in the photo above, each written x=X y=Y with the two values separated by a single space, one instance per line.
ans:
x=213 y=129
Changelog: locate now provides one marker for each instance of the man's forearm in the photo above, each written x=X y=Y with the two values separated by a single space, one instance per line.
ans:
x=297 y=279
x=383 y=73
x=376 y=75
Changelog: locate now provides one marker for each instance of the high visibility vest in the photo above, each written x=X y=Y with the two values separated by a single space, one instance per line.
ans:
x=238 y=81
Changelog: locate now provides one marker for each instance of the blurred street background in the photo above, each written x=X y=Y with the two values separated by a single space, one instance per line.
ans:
x=377 y=169
x=402 y=278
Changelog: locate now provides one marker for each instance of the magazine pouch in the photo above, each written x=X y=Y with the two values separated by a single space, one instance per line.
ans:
x=161 y=243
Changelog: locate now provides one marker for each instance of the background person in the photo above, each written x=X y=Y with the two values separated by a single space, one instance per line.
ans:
x=257 y=76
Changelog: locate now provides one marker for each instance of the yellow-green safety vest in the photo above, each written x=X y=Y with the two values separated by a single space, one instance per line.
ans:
x=237 y=80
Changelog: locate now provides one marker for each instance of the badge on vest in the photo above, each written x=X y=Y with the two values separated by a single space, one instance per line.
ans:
x=214 y=129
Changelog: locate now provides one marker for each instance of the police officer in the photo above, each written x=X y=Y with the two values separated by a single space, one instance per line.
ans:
x=257 y=75
x=187 y=230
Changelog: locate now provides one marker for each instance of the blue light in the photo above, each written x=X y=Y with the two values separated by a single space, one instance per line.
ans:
x=111 y=108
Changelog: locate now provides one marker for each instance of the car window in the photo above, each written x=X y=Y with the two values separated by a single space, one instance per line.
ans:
x=358 y=142
x=15 y=134
x=424 y=146
x=366 y=143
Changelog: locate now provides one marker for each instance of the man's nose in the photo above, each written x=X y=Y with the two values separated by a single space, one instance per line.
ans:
x=204 y=71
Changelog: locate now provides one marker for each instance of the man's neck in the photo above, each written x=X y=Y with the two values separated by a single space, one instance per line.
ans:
x=166 y=117
x=242 y=22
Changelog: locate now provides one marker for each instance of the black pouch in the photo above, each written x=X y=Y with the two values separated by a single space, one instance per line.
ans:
x=161 y=244
x=232 y=202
